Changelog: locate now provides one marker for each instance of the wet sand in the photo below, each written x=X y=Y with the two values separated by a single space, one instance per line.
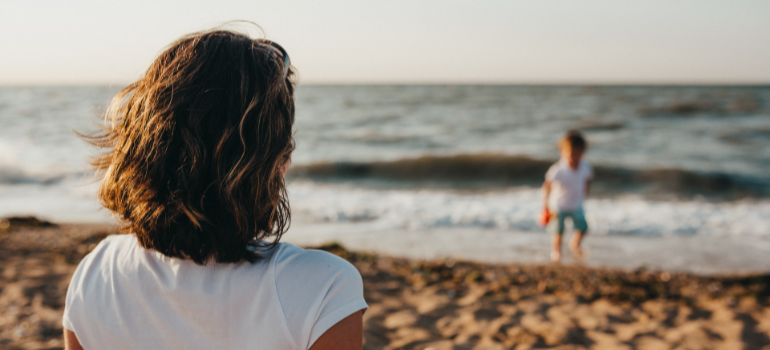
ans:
x=444 y=303
x=690 y=253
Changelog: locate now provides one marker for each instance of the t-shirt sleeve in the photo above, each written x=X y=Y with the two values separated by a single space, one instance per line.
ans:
x=73 y=302
x=73 y=292
x=317 y=290
x=550 y=175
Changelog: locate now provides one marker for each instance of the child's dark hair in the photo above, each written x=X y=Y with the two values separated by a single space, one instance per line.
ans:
x=196 y=149
x=574 y=139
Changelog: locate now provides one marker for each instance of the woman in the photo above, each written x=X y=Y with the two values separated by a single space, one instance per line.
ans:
x=197 y=151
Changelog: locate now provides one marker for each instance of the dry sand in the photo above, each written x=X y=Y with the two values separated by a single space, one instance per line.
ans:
x=444 y=304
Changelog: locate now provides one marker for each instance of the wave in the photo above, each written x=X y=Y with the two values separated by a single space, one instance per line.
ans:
x=12 y=176
x=724 y=107
x=489 y=171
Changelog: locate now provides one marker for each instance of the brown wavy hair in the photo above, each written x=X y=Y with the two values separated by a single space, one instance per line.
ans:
x=197 y=149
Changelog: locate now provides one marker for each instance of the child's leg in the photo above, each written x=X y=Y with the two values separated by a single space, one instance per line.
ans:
x=556 y=248
x=556 y=227
x=574 y=243
x=581 y=227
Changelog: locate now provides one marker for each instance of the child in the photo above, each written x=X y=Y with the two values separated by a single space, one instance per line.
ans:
x=569 y=178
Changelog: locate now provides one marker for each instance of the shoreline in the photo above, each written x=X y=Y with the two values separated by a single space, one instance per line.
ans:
x=707 y=256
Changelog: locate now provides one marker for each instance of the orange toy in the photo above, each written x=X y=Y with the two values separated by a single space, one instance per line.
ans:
x=545 y=217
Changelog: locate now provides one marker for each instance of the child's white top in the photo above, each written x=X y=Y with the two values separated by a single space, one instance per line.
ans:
x=568 y=185
x=123 y=296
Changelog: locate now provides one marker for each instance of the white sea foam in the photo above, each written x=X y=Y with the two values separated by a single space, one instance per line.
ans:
x=517 y=209
x=72 y=200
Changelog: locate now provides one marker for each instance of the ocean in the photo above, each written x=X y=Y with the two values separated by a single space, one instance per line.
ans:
x=669 y=160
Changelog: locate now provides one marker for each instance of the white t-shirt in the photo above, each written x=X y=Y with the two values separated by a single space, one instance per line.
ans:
x=568 y=185
x=123 y=296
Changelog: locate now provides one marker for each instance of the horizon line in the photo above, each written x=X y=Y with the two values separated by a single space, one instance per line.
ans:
x=448 y=83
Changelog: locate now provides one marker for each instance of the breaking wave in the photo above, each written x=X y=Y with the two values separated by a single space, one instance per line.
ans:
x=490 y=171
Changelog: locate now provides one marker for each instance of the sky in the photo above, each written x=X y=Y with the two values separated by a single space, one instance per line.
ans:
x=63 y=42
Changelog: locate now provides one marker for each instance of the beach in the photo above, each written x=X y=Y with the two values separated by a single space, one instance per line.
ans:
x=444 y=303
x=592 y=175
x=433 y=191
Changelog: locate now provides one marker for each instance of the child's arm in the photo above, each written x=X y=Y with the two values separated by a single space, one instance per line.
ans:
x=588 y=187
x=546 y=193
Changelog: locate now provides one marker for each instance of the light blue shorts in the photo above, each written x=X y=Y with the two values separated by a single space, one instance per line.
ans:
x=556 y=225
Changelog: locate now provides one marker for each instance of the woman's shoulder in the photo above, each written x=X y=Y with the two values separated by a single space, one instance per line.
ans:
x=316 y=290
x=106 y=254
x=92 y=273
x=117 y=240
x=108 y=248
x=315 y=270
x=290 y=258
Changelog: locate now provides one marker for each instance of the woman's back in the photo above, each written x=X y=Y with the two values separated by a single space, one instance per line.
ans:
x=124 y=296
x=196 y=154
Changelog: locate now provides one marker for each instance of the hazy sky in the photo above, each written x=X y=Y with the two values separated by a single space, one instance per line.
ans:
x=405 y=41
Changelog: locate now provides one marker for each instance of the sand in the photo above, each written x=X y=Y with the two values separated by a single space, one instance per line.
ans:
x=444 y=303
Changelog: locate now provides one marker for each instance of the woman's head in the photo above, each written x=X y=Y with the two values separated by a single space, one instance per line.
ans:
x=198 y=147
